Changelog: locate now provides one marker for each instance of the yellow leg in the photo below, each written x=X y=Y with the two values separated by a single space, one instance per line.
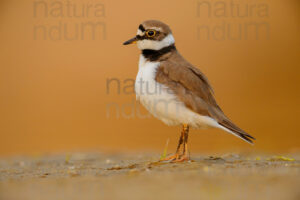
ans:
x=185 y=154
x=177 y=157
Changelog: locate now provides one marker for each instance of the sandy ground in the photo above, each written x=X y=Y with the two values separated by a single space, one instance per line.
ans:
x=136 y=176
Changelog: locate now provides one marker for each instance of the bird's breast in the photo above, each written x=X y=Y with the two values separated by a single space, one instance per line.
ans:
x=145 y=83
x=155 y=97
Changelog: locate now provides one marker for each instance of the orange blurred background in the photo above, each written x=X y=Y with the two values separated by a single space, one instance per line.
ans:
x=53 y=80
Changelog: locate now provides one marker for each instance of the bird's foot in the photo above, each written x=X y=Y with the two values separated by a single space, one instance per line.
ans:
x=182 y=158
x=171 y=158
x=176 y=158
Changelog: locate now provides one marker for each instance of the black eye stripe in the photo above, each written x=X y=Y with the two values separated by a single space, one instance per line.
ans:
x=141 y=27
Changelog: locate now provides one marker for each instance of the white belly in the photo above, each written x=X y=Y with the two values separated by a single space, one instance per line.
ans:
x=162 y=103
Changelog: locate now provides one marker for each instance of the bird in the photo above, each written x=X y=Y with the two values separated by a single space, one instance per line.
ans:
x=175 y=91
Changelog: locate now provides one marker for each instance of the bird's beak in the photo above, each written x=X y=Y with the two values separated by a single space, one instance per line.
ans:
x=131 y=41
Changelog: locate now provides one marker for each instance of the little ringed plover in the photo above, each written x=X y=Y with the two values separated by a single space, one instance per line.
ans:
x=175 y=91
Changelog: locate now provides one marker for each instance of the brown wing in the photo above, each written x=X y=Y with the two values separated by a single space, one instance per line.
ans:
x=192 y=87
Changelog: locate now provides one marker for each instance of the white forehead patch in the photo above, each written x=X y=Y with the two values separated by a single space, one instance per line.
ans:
x=140 y=33
x=156 y=45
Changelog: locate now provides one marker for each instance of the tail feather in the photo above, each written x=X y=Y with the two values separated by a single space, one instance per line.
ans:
x=232 y=128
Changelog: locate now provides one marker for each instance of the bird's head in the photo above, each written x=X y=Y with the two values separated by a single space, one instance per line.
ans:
x=153 y=35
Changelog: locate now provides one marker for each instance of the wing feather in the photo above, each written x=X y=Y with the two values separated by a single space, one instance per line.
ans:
x=192 y=87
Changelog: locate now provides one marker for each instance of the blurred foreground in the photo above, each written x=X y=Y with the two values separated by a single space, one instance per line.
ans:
x=117 y=176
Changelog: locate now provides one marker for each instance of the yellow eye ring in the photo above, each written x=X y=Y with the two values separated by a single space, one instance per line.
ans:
x=150 y=33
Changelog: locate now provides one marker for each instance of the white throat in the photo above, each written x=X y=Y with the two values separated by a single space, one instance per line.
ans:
x=156 y=45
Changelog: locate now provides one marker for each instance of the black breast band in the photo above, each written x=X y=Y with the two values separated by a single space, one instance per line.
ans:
x=154 y=55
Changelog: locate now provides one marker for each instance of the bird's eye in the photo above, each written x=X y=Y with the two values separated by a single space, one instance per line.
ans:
x=150 y=33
